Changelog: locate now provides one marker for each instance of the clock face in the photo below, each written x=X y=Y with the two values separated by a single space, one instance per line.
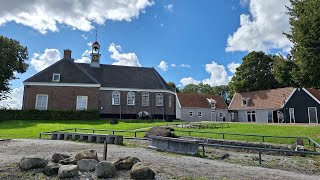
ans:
x=95 y=58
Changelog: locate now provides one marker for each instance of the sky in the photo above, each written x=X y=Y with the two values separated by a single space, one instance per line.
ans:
x=186 y=41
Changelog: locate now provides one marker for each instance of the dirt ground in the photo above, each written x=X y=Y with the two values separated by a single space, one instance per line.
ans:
x=166 y=165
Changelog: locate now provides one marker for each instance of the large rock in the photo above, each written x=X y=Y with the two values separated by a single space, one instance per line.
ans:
x=51 y=169
x=32 y=163
x=68 y=171
x=87 y=164
x=126 y=163
x=139 y=171
x=161 y=131
x=56 y=157
x=105 y=169
x=68 y=161
x=87 y=154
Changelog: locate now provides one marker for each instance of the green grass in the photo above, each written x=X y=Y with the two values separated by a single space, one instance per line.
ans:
x=312 y=131
x=32 y=128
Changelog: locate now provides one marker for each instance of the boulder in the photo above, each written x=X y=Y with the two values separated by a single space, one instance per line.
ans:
x=68 y=161
x=105 y=169
x=140 y=171
x=87 y=164
x=68 y=171
x=51 y=169
x=161 y=131
x=32 y=163
x=126 y=163
x=56 y=157
x=87 y=154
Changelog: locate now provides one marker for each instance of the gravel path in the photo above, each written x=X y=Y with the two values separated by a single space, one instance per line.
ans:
x=166 y=166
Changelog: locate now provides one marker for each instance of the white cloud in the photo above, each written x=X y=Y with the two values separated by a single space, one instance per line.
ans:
x=84 y=37
x=263 y=29
x=244 y=3
x=85 y=57
x=40 y=62
x=163 y=66
x=218 y=75
x=45 y=15
x=169 y=7
x=181 y=65
x=188 y=80
x=173 y=65
x=124 y=59
x=15 y=100
x=232 y=66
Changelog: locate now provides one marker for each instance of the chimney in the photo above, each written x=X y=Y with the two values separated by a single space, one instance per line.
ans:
x=67 y=54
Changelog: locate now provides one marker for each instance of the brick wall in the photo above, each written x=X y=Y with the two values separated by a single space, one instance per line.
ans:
x=61 y=98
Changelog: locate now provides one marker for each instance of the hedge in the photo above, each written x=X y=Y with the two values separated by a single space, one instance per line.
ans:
x=47 y=115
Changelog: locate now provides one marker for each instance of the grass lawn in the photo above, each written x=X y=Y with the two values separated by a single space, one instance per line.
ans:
x=312 y=131
x=31 y=128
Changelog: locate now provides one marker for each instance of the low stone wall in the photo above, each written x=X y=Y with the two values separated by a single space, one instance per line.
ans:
x=88 y=137
x=175 y=145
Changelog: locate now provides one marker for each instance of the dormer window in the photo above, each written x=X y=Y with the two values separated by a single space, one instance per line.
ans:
x=245 y=101
x=56 y=77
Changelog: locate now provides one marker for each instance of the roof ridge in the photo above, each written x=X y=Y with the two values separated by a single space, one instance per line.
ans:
x=84 y=71
x=265 y=90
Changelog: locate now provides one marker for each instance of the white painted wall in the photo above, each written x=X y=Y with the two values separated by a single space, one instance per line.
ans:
x=206 y=114
x=261 y=116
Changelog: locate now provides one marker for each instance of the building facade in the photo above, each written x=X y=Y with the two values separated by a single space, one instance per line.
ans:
x=115 y=91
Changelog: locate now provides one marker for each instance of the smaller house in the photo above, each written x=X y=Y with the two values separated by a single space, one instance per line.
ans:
x=200 y=107
x=282 y=105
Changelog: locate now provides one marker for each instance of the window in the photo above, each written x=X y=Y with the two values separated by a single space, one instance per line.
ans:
x=312 y=113
x=159 y=99
x=291 y=115
x=115 y=98
x=56 y=77
x=130 y=98
x=42 y=102
x=82 y=102
x=170 y=100
x=200 y=114
x=270 y=116
x=145 y=99
x=232 y=117
x=251 y=116
x=245 y=101
x=190 y=113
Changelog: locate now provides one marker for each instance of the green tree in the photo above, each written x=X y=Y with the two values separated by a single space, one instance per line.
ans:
x=255 y=73
x=283 y=71
x=305 y=36
x=173 y=87
x=12 y=59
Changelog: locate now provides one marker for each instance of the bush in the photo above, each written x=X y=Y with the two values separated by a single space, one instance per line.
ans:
x=47 y=115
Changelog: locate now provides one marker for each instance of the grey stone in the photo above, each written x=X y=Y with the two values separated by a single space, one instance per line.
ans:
x=56 y=157
x=126 y=163
x=68 y=171
x=161 y=131
x=51 y=169
x=105 y=169
x=140 y=171
x=32 y=163
x=87 y=164
x=87 y=154
x=68 y=161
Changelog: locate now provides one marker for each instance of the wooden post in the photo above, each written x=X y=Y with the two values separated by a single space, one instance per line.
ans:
x=105 y=150
x=203 y=152
x=260 y=158
x=262 y=138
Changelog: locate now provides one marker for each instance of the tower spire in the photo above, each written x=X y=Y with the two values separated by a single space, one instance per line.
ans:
x=96 y=34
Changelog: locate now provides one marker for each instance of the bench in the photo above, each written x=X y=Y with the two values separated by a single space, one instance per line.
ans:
x=87 y=137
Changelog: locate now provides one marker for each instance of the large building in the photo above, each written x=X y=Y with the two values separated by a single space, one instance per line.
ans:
x=282 y=105
x=115 y=91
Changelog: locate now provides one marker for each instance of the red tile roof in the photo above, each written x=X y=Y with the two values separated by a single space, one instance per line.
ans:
x=314 y=92
x=266 y=99
x=200 y=100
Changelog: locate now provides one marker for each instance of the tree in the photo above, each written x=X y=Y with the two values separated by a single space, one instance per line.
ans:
x=283 y=71
x=12 y=59
x=255 y=73
x=305 y=36
x=173 y=87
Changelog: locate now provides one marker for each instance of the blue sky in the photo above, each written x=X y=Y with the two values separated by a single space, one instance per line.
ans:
x=187 y=41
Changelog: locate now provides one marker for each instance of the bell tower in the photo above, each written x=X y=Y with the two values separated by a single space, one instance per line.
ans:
x=95 y=55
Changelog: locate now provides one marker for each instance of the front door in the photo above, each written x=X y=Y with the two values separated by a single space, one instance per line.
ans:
x=291 y=115
x=312 y=113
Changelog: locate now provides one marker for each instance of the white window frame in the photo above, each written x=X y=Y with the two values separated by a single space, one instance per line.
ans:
x=251 y=113
x=131 y=97
x=170 y=100
x=271 y=116
x=200 y=114
x=294 y=118
x=316 y=114
x=145 y=99
x=159 y=99
x=47 y=98
x=191 y=114
x=56 y=74
x=115 y=93
x=78 y=108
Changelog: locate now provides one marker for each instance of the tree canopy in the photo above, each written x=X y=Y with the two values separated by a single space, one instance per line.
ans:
x=12 y=59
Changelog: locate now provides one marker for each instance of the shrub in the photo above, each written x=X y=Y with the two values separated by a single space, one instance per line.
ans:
x=47 y=115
